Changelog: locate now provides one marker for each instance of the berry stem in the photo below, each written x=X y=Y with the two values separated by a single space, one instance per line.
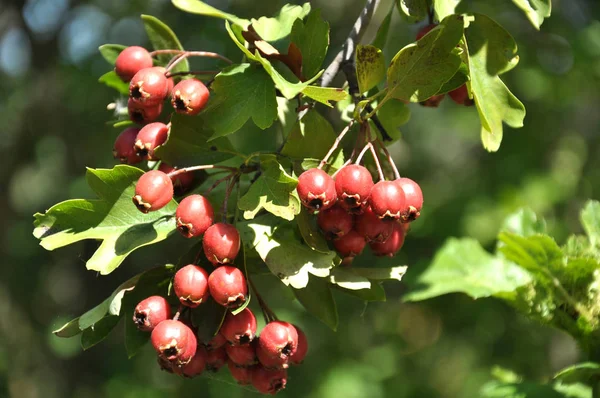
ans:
x=389 y=158
x=232 y=183
x=376 y=159
x=267 y=312
x=185 y=54
x=192 y=72
x=362 y=153
x=179 y=312
x=349 y=161
x=175 y=173
x=335 y=144
x=217 y=183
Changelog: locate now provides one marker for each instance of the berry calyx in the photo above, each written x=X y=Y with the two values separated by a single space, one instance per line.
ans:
x=335 y=222
x=217 y=341
x=189 y=96
x=316 y=189
x=298 y=357
x=270 y=362
x=353 y=185
x=216 y=359
x=387 y=200
x=268 y=381
x=392 y=245
x=174 y=342
x=191 y=285
x=143 y=113
x=414 y=199
x=153 y=191
x=181 y=182
x=242 y=355
x=123 y=148
x=130 y=61
x=150 y=312
x=461 y=96
x=194 y=215
x=149 y=137
x=239 y=329
x=221 y=243
x=278 y=339
x=350 y=245
x=196 y=365
x=424 y=30
x=149 y=86
x=227 y=286
x=372 y=228
x=243 y=375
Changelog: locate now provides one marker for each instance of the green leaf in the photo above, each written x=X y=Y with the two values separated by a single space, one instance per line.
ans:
x=419 y=70
x=381 y=274
x=310 y=231
x=374 y=293
x=459 y=78
x=69 y=329
x=496 y=389
x=241 y=92
x=325 y=94
x=200 y=7
x=393 y=114
x=580 y=372
x=112 y=80
x=288 y=89
x=98 y=332
x=415 y=10
x=370 y=67
x=536 y=10
x=110 y=52
x=312 y=39
x=188 y=143
x=590 y=219
x=443 y=8
x=163 y=38
x=463 y=266
x=381 y=36
x=524 y=222
x=113 y=219
x=347 y=279
x=208 y=317
x=110 y=306
x=311 y=137
x=491 y=52
x=287 y=257
x=274 y=191
x=273 y=29
x=316 y=297
x=537 y=253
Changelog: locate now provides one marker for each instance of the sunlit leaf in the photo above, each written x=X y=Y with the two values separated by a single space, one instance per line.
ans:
x=312 y=38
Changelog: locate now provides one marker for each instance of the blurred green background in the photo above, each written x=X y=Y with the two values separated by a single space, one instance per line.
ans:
x=52 y=118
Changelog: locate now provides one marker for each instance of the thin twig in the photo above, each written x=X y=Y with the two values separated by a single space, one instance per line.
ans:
x=184 y=170
x=217 y=183
x=335 y=144
x=192 y=72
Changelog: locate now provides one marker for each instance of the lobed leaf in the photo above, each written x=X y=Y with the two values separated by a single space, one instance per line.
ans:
x=536 y=10
x=325 y=94
x=112 y=80
x=312 y=38
x=110 y=52
x=316 y=297
x=280 y=26
x=311 y=137
x=163 y=38
x=415 y=10
x=370 y=67
x=200 y=7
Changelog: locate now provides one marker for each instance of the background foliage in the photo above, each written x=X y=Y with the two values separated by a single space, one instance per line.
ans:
x=53 y=113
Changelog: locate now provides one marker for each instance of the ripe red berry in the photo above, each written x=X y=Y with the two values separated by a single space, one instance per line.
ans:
x=433 y=102
x=174 y=342
x=243 y=375
x=335 y=222
x=150 y=312
x=392 y=245
x=353 y=185
x=350 y=245
x=149 y=137
x=270 y=362
x=189 y=96
x=387 y=200
x=298 y=357
x=461 y=96
x=242 y=355
x=123 y=148
x=181 y=182
x=191 y=285
x=216 y=359
x=239 y=329
x=194 y=215
x=227 y=287
x=268 y=381
x=279 y=339
x=142 y=113
x=372 y=228
x=217 y=341
x=130 y=61
x=424 y=30
x=414 y=199
x=197 y=364
x=149 y=86
x=153 y=191
x=221 y=243
x=316 y=189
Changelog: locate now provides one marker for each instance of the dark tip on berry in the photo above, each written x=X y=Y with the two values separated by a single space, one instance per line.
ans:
x=180 y=104
x=287 y=350
x=170 y=352
x=185 y=229
x=136 y=92
x=245 y=339
x=278 y=386
x=351 y=201
x=237 y=301
x=316 y=203
x=140 y=318
x=140 y=204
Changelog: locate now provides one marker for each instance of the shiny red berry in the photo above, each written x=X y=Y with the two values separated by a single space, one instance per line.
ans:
x=387 y=200
x=153 y=191
x=268 y=381
x=149 y=137
x=424 y=30
x=350 y=245
x=270 y=362
x=392 y=245
x=372 y=228
x=130 y=61
x=335 y=222
x=316 y=189
x=239 y=329
x=216 y=359
x=191 y=285
x=194 y=215
x=181 y=182
x=227 y=286
x=197 y=364
x=279 y=339
x=123 y=148
x=149 y=86
x=461 y=96
x=189 y=96
x=298 y=357
x=221 y=243
x=217 y=341
x=242 y=355
x=433 y=102
x=414 y=199
x=353 y=185
x=150 y=312
x=174 y=342
x=142 y=113
x=241 y=374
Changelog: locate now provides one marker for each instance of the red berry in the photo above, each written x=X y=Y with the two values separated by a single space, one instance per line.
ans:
x=197 y=365
x=242 y=375
x=424 y=30
x=149 y=137
x=150 y=312
x=268 y=381
x=142 y=113
x=242 y=355
x=221 y=243
x=335 y=222
x=227 y=286
x=123 y=148
x=181 y=182
x=387 y=200
x=353 y=185
x=189 y=96
x=191 y=285
x=414 y=199
x=372 y=228
x=461 y=96
x=130 y=61
x=174 y=342
x=298 y=357
x=433 y=102
x=216 y=359
x=149 y=86
x=350 y=245
x=217 y=341
x=316 y=189
x=279 y=339
x=153 y=191
x=194 y=215
x=239 y=329
x=391 y=246
x=270 y=362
